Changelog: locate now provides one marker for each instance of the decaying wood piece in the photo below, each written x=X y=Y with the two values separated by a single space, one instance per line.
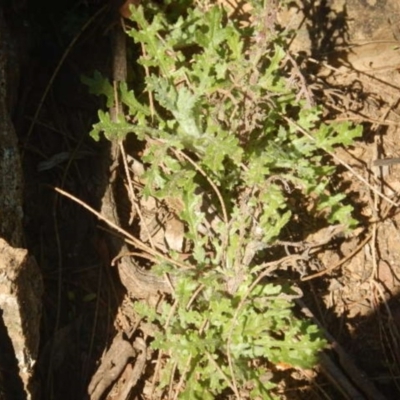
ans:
x=20 y=293
x=10 y=165
x=140 y=346
x=111 y=366
x=20 y=278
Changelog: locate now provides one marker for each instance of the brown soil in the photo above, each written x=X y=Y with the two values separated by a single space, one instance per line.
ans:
x=354 y=46
x=351 y=63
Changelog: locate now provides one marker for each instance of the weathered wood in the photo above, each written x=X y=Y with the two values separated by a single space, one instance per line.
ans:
x=20 y=278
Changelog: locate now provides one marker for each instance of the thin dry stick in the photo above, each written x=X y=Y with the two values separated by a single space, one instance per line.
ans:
x=341 y=262
x=309 y=376
x=195 y=294
x=339 y=160
x=218 y=368
x=132 y=254
x=171 y=380
x=382 y=296
x=157 y=253
x=212 y=184
x=156 y=373
x=361 y=118
x=283 y=262
x=225 y=238
x=132 y=239
x=374 y=241
x=182 y=379
x=136 y=254
x=374 y=273
x=132 y=196
x=304 y=86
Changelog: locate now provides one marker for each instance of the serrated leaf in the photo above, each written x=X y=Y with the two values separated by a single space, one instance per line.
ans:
x=99 y=85
x=135 y=107
x=113 y=130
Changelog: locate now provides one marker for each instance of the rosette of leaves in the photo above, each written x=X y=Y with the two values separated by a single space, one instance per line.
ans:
x=221 y=145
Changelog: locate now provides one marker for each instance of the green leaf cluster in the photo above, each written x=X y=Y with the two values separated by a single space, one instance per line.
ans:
x=225 y=138
x=199 y=339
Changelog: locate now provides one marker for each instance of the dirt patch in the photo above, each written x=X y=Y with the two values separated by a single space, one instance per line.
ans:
x=358 y=79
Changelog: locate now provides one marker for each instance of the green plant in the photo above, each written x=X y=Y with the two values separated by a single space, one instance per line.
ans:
x=224 y=142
